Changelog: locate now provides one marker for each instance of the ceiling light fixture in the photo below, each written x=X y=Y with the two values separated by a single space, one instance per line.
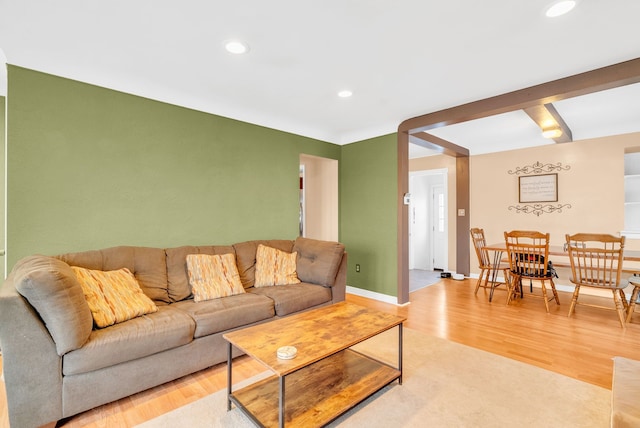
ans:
x=551 y=132
x=236 y=47
x=560 y=8
x=345 y=94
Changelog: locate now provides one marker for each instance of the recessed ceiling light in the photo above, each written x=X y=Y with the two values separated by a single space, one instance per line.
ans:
x=560 y=8
x=236 y=47
x=345 y=94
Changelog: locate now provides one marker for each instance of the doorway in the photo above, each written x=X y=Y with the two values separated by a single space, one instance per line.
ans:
x=318 y=198
x=428 y=227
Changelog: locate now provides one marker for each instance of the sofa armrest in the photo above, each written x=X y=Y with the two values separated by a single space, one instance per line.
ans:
x=625 y=393
x=32 y=367
x=339 y=289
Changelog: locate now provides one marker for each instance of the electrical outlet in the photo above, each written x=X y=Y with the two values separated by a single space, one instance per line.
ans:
x=357 y=267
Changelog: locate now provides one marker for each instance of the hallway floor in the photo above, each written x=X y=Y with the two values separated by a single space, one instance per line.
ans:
x=419 y=278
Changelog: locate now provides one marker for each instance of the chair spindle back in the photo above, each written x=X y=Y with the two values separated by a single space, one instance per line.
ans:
x=528 y=253
x=596 y=259
x=479 y=242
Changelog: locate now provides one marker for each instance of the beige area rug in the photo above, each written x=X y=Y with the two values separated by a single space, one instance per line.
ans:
x=445 y=385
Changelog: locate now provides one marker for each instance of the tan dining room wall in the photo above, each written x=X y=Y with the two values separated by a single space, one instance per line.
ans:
x=590 y=191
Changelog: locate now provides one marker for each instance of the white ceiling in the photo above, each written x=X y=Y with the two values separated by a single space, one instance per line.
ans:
x=401 y=59
x=600 y=114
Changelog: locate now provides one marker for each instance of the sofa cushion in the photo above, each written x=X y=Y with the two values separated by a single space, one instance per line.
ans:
x=275 y=267
x=246 y=257
x=213 y=276
x=318 y=261
x=289 y=299
x=146 y=335
x=214 y=316
x=178 y=287
x=147 y=264
x=53 y=290
x=113 y=296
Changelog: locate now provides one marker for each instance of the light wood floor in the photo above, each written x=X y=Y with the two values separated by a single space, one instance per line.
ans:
x=580 y=347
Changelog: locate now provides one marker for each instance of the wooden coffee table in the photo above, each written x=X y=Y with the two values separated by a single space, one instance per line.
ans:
x=326 y=378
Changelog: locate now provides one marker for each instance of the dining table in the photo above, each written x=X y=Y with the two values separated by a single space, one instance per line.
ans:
x=554 y=250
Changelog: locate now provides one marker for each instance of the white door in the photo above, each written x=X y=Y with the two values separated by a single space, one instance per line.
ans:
x=419 y=257
x=428 y=225
x=438 y=226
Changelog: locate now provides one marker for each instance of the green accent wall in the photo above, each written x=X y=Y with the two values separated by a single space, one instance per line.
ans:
x=3 y=102
x=369 y=218
x=90 y=168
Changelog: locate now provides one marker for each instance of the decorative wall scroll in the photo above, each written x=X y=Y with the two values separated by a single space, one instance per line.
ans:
x=539 y=209
x=538 y=183
x=539 y=168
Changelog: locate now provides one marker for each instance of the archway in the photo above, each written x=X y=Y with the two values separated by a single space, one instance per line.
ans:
x=528 y=99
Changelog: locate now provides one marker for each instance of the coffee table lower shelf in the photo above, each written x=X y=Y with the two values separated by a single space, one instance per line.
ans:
x=316 y=394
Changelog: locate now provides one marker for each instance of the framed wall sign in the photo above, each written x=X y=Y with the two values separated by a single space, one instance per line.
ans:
x=538 y=188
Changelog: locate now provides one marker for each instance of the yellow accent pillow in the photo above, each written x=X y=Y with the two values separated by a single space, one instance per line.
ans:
x=213 y=276
x=113 y=296
x=275 y=267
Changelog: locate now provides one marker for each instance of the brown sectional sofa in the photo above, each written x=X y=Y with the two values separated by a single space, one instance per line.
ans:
x=57 y=365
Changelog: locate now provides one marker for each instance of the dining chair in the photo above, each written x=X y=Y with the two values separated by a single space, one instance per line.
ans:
x=488 y=271
x=596 y=261
x=634 y=281
x=528 y=254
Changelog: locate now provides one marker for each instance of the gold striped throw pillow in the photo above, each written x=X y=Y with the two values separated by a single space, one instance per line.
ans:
x=275 y=267
x=213 y=276
x=113 y=296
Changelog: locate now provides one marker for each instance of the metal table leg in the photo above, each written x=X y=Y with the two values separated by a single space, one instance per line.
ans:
x=229 y=371
x=497 y=255
x=400 y=352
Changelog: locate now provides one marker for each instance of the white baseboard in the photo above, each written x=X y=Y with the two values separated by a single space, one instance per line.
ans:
x=373 y=295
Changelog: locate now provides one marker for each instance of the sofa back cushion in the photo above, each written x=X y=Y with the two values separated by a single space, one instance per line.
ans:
x=318 y=261
x=178 y=287
x=246 y=257
x=53 y=290
x=148 y=265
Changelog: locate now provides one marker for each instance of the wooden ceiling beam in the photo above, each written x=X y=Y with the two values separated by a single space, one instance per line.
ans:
x=438 y=144
x=613 y=76
x=547 y=117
